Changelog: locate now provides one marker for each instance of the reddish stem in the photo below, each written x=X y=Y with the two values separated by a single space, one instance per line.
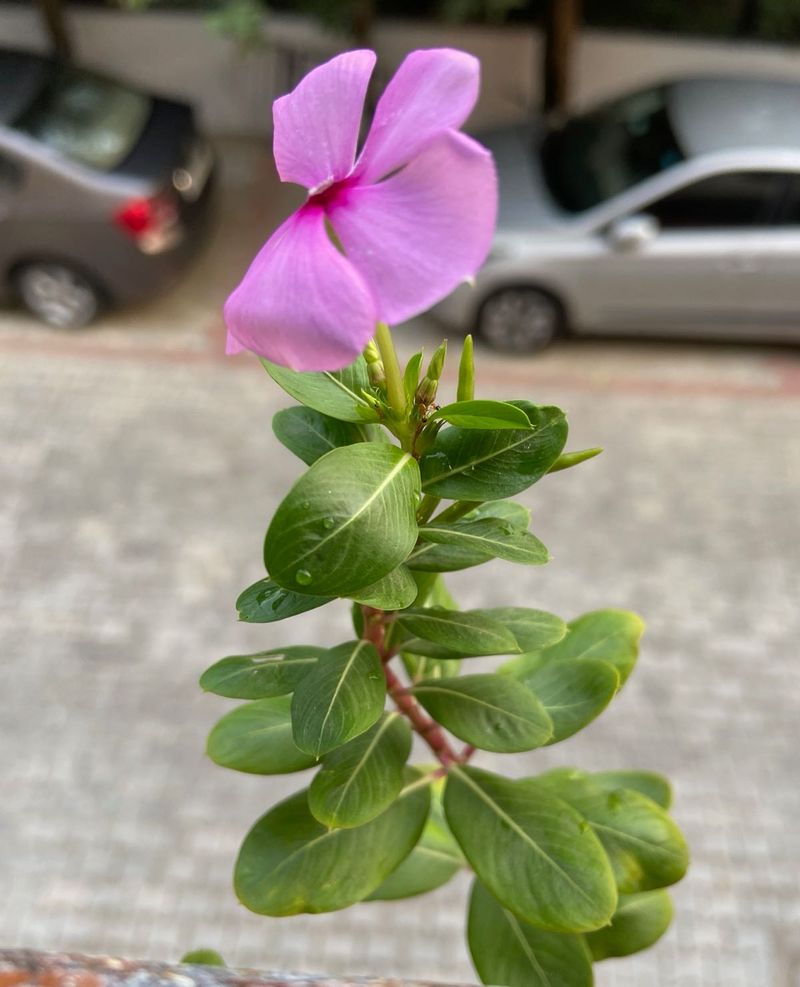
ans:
x=434 y=736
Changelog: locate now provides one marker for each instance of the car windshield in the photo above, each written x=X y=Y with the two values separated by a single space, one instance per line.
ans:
x=600 y=154
x=86 y=118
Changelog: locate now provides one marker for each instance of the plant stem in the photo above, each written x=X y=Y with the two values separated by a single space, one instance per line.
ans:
x=394 y=377
x=457 y=510
x=430 y=731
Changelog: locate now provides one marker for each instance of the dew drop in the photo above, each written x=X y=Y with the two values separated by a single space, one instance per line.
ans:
x=328 y=523
x=305 y=505
x=583 y=825
x=303 y=576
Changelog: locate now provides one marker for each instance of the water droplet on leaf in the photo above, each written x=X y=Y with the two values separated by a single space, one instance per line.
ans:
x=328 y=523
x=303 y=577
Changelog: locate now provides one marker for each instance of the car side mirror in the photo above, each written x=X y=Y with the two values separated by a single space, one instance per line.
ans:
x=633 y=232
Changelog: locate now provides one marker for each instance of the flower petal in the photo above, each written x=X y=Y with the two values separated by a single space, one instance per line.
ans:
x=433 y=90
x=302 y=303
x=416 y=236
x=316 y=125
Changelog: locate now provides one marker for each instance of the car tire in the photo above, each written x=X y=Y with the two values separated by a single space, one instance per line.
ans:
x=57 y=294
x=520 y=320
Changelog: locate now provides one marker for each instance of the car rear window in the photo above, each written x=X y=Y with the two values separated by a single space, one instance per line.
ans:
x=86 y=118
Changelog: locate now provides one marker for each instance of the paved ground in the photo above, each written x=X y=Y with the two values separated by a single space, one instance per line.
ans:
x=137 y=474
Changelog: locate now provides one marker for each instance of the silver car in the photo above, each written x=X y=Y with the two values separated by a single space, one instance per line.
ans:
x=105 y=191
x=670 y=211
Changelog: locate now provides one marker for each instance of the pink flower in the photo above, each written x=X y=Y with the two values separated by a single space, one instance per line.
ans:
x=414 y=215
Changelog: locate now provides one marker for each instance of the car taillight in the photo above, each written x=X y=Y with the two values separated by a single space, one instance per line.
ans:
x=152 y=223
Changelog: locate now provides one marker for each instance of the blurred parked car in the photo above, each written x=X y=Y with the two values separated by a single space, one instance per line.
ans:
x=104 y=191
x=674 y=210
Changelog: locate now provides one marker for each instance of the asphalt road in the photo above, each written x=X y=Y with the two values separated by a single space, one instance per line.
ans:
x=138 y=472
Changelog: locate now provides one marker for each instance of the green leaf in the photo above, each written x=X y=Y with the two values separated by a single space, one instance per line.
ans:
x=654 y=786
x=337 y=393
x=531 y=628
x=203 y=957
x=495 y=538
x=432 y=862
x=466 y=633
x=533 y=852
x=483 y=711
x=483 y=414
x=290 y=863
x=507 y=950
x=574 y=691
x=262 y=675
x=429 y=557
x=507 y=510
x=569 y=459
x=607 y=635
x=340 y=698
x=347 y=522
x=309 y=434
x=639 y=921
x=257 y=738
x=644 y=845
x=266 y=601
x=361 y=779
x=395 y=591
x=466 y=464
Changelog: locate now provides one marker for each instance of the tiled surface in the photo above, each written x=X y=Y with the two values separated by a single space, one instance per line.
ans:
x=136 y=479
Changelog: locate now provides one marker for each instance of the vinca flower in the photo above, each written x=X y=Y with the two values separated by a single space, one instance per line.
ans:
x=382 y=236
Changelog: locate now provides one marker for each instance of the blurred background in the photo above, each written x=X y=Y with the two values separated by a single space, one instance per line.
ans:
x=138 y=473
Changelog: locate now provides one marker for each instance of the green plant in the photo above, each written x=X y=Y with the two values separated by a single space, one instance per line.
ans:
x=569 y=866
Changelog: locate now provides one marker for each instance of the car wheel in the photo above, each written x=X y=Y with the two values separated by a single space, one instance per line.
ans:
x=57 y=294
x=520 y=320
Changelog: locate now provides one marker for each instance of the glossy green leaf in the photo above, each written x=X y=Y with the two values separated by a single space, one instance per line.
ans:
x=309 y=434
x=533 y=852
x=430 y=557
x=361 y=779
x=608 y=635
x=569 y=459
x=507 y=510
x=290 y=863
x=347 y=522
x=644 y=845
x=467 y=464
x=649 y=783
x=483 y=414
x=262 y=675
x=394 y=591
x=266 y=601
x=433 y=861
x=531 y=628
x=465 y=633
x=257 y=738
x=491 y=536
x=507 y=950
x=336 y=393
x=492 y=712
x=340 y=698
x=639 y=921
x=574 y=691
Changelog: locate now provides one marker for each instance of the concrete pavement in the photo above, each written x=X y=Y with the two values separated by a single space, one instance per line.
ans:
x=137 y=476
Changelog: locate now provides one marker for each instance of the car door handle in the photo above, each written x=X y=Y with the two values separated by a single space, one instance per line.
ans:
x=738 y=265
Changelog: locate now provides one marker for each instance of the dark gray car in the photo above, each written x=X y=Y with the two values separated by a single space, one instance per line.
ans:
x=104 y=190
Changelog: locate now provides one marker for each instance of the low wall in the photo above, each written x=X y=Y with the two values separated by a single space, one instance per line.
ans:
x=178 y=53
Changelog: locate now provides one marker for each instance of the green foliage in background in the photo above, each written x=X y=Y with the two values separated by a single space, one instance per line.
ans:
x=569 y=867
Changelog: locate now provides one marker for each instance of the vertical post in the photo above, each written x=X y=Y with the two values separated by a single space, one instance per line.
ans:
x=53 y=15
x=562 y=21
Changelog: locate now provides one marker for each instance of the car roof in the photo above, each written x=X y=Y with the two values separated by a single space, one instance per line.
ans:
x=734 y=113
x=22 y=75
